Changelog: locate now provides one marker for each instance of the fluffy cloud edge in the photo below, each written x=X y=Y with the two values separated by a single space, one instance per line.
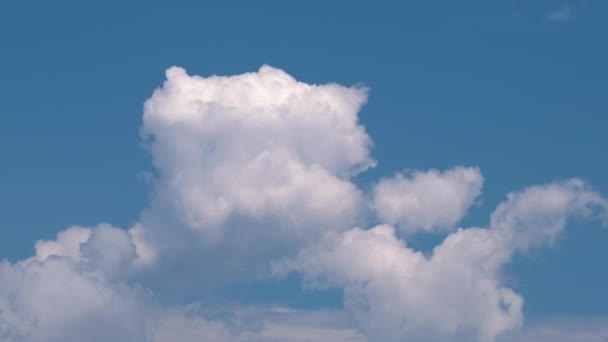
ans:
x=396 y=293
x=430 y=200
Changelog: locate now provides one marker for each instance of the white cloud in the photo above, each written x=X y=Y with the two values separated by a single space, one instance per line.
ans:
x=250 y=167
x=63 y=300
x=396 y=293
x=67 y=244
x=54 y=300
x=255 y=166
x=561 y=14
x=537 y=215
x=146 y=253
x=259 y=146
x=85 y=294
x=428 y=201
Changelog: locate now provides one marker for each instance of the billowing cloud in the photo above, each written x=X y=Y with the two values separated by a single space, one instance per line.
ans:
x=67 y=244
x=397 y=294
x=261 y=147
x=98 y=241
x=254 y=172
x=427 y=201
x=84 y=293
x=60 y=299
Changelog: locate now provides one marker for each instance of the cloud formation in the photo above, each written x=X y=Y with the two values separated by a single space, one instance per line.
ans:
x=73 y=297
x=396 y=293
x=255 y=171
x=260 y=147
x=427 y=201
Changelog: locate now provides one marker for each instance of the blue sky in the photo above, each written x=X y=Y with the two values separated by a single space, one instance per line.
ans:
x=516 y=88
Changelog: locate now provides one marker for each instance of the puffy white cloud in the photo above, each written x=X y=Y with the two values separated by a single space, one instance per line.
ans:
x=56 y=300
x=75 y=289
x=63 y=300
x=428 y=201
x=263 y=162
x=537 y=215
x=146 y=253
x=67 y=244
x=258 y=147
x=105 y=246
x=109 y=252
x=78 y=288
x=396 y=293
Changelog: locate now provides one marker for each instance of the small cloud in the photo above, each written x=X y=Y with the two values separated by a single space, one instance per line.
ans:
x=561 y=14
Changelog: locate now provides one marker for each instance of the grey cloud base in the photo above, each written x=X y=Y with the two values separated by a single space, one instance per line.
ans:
x=255 y=174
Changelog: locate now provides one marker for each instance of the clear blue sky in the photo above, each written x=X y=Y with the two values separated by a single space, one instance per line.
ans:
x=517 y=88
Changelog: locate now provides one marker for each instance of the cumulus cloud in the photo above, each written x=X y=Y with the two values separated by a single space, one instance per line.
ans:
x=74 y=289
x=98 y=241
x=537 y=215
x=261 y=147
x=256 y=168
x=427 y=201
x=396 y=293
x=67 y=244
x=84 y=294
x=57 y=300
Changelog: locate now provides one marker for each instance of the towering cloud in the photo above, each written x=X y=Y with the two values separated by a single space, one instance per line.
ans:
x=261 y=147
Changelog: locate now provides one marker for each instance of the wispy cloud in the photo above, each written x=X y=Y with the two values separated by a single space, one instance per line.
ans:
x=561 y=14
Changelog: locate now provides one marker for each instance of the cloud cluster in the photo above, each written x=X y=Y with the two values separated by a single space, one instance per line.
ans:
x=255 y=171
x=68 y=290
x=399 y=294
